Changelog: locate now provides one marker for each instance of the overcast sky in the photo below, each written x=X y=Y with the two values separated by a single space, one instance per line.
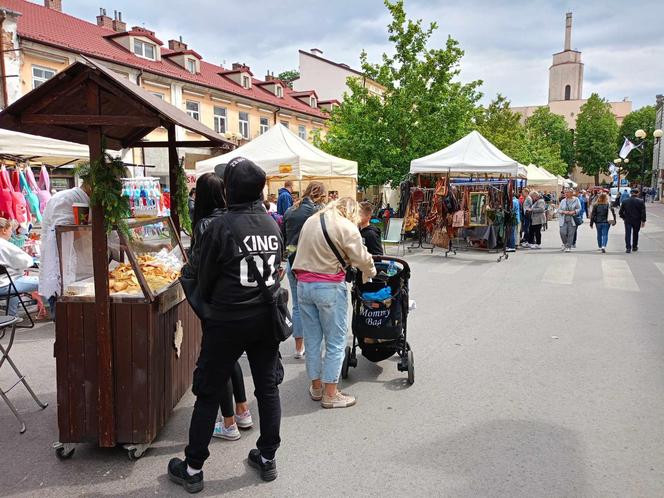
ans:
x=508 y=44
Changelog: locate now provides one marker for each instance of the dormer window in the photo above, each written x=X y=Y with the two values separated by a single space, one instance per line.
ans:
x=313 y=102
x=246 y=81
x=144 y=49
x=191 y=66
x=278 y=91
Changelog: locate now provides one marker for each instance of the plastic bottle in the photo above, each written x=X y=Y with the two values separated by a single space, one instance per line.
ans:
x=392 y=269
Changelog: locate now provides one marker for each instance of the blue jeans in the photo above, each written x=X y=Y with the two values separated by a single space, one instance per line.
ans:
x=25 y=285
x=324 y=312
x=602 y=234
x=295 y=314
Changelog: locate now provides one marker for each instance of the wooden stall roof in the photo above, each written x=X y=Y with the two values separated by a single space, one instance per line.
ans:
x=58 y=109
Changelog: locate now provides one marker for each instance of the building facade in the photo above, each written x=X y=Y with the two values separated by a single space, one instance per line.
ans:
x=658 y=150
x=38 y=41
x=328 y=78
x=566 y=92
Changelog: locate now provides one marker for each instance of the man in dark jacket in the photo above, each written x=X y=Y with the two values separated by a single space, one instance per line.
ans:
x=633 y=213
x=285 y=199
x=238 y=320
x=371 y=235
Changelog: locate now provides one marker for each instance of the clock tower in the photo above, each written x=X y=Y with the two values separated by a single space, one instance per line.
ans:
x=566 y=72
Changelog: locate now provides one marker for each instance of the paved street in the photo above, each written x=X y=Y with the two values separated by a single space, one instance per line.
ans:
x=538 y=376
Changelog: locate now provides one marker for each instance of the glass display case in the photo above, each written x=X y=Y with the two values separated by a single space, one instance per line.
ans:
x=141 y=267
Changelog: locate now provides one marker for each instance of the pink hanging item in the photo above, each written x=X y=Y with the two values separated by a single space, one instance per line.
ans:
x=44 y=188
x=20 y=205
x=6 y=197
x=19 y=210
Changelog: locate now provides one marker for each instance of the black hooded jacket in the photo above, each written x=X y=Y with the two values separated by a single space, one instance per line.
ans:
x=372 y=239
x=224 y=277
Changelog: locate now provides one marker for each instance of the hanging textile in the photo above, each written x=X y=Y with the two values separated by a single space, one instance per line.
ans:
x=6 y=198
x=31 y=198
x=44 y=190
x=19 y=207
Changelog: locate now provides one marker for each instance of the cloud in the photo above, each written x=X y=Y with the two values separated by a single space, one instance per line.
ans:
x=507 y=44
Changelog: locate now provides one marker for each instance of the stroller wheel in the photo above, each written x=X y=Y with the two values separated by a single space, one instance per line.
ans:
x=411 y=368
x=345 y=364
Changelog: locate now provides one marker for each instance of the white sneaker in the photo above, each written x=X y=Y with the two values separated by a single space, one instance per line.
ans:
x=299 y=355
x=562 y=248
x=535 y=246
x=510 y=249
x=228 y=433
x=525 y=244
x=567 y=249
x=243 y=420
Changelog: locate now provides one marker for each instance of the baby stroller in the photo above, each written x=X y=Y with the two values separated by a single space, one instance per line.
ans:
x=380 y=317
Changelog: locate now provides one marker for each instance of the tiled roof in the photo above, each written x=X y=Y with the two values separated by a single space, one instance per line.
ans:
x=61 y=30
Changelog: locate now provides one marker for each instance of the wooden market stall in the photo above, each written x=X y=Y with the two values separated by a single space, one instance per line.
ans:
x=122 y=364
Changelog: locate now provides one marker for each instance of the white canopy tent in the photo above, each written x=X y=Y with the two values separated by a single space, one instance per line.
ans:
x=285 y=156
x=471 y=155
x=40 y=149
x=540 y=177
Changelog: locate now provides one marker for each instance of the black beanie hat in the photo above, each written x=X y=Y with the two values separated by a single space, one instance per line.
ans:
x=244 y=181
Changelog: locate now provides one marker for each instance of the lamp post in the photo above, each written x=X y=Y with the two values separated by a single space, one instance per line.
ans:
x=642 y=135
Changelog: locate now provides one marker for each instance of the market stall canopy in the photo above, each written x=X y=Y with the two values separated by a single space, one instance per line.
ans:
x=281 y=153
x=127 y=113
x=540 y=177
x=473 y=154
x=21 y=146
x=566 y=182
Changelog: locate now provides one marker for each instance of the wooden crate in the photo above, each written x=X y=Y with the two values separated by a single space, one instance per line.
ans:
x=148 y=377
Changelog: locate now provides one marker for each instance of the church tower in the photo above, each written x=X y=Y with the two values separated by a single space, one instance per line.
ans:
x=566 y=72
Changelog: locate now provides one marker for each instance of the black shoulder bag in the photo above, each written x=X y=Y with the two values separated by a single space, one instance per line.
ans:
x=282 y=322
x=350 y=271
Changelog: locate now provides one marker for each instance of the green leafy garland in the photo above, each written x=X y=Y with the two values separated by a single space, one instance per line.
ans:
x=181 y=198
x=105 y=177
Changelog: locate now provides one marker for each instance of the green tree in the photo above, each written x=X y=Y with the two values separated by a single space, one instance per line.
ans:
x=423 y=109
x=596 y=134
x=289 y=76
x=554 y=129
x=641 y=119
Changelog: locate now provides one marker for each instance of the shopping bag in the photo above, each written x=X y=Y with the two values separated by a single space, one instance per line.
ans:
x=20 y=206
x=31 y=198
x=44 y=191
x=6 y=198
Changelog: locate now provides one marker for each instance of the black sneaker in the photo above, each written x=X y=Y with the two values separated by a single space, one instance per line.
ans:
x=635 y=249
x=177 y=472
x=628 y=251
x=268 y=469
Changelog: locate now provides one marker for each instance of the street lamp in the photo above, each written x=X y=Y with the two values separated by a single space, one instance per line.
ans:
x=642 y=134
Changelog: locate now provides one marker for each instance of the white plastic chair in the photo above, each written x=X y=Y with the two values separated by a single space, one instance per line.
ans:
x=394 y=235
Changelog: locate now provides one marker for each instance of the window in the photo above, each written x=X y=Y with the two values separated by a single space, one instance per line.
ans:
x=220 y=120
x=40 y=75
x=279 y=92
x=313 y=102
x=244 y=124
x=285 y=123
x=191 y=66
x=302 y=132
x=246 y=81
x=265 y=125
x=143 y=49
x=158 y=95
x=568 y=91
x=193 y=109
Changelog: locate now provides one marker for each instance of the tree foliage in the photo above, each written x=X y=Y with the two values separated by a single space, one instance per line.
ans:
x=289 y=76
x=641 y=119
x=596 y=135
x=424 y=108
x=553 y=128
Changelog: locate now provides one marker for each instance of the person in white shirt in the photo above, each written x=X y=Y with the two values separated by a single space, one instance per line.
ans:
x=16 y=261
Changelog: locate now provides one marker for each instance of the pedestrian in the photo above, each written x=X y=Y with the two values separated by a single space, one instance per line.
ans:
x=583 y=199
x=371 y=235
x=16 y=261
x=602 y=221
x=313 y=200
x=537 y=219
x=272 y=198
x=516 y=224
x=191 y=203
x=285 y=199
x=633 y=213
x=329 y=244
x=210 y=205
x=570 y=208
x=278 y=219
x=525 y=226
x=238 y=319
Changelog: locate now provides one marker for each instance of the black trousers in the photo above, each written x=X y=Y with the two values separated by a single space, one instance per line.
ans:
x=535 y=234
x=234 y=389
x=222 y=345
x=632 y=235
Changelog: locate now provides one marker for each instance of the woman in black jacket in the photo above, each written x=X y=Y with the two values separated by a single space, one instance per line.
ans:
x=600 y=218
x=313 y=199
x=210 y=204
